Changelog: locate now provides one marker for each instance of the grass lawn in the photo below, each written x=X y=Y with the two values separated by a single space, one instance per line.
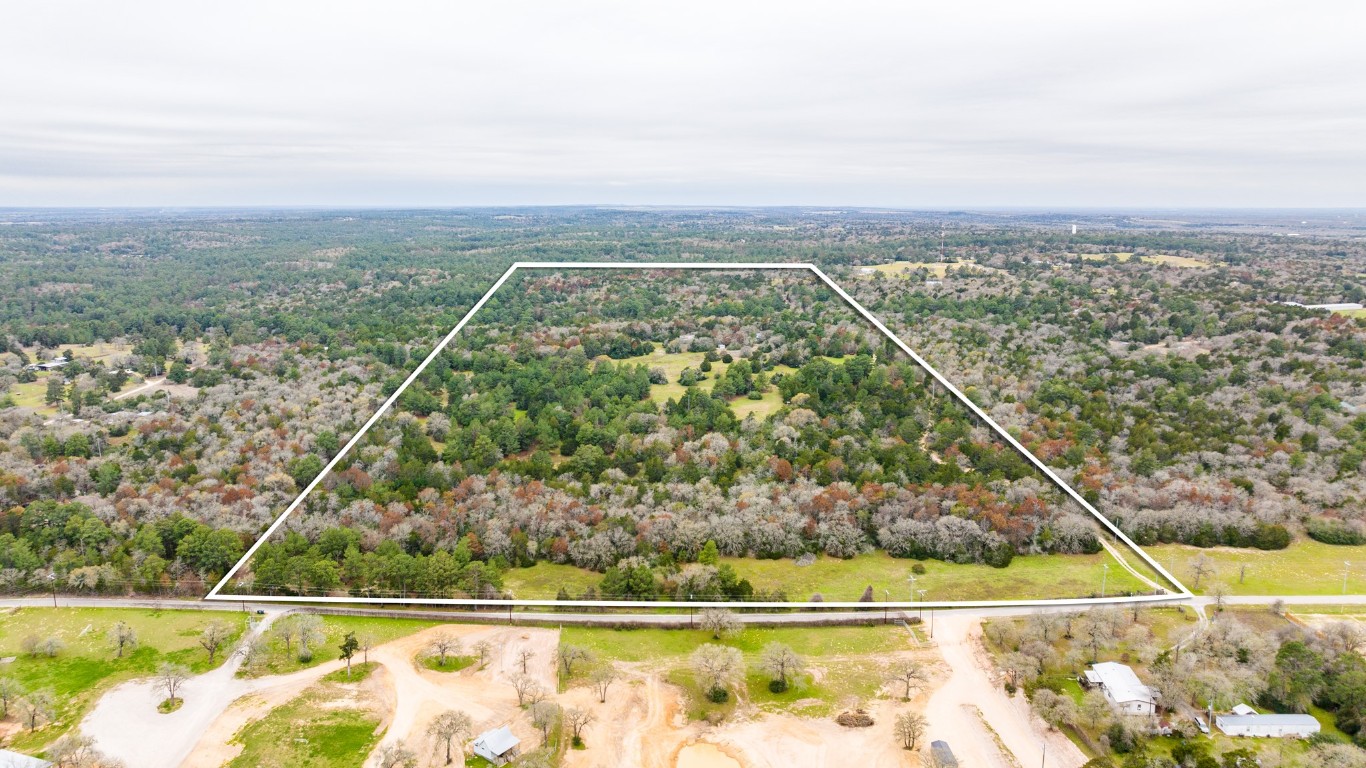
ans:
x=335 y=628
x=543 y=580
x=32 y=394
x=87 y=666
x=1306 y=567
x=1037 y=576
x=453 y=663
x=1351 y=312
x=1028 y=576
x=303 y=734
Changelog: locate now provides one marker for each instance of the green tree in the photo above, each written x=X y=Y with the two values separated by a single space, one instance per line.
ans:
x=348 y=649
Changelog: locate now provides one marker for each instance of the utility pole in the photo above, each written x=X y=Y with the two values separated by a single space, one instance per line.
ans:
x=922 y=606
x=1104 y=575
x=52 y=579
x=888 y=594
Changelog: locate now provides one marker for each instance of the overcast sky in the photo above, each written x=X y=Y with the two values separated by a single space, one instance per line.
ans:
x=900 y=104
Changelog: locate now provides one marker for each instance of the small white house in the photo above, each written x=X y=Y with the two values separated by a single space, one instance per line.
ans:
x=497 y=746
x=1123 y=688
x=1268 y=725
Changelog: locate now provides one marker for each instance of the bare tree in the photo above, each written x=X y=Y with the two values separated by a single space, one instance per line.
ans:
x=448 y=728
x=10 y=691
x=909 y=673
x=213 y=637
x=366 y=641
x=170 y=677
x=569 y=655
x=601 y=679
x=524 y=656
x=1020 y=669
x=76 y=751
x=310 y=628
x=781 y=663
x=1047 y=625
x=909 y=727
x=442 y=646
x=1200 y=567
x=1055 y=709
x=483 y=649
x=1095 y=709
x=720 y=622
x=397 y=756
x=527 y=689
x=1220 y=592
x=36 y=708
x=578 y=721
x=716 y=667
x=122 y=637
x=543 y=716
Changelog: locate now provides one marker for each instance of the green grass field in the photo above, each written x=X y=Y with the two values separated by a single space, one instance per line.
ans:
x=303 y=734
x=32 y=394
x=87 y=666
x=1351 y=312
x=673 y=363
x=1028 y=576
x=1306 y=567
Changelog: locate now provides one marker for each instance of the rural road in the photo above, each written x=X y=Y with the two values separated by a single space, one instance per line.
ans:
x=872 y=614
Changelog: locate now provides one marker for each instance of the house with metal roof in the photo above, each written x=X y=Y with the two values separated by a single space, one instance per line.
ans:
x=1122 y=687
x=1268 y=725
x=497 y=746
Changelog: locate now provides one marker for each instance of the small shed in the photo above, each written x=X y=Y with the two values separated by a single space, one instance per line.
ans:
x=1274 y=726
x=943 y=756
x=1243 y=709
x=497 y=746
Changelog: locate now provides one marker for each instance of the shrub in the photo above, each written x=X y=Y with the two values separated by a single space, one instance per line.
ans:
x=1330 y=531
x=777 y=686
x=918 y=569
x=718 y=695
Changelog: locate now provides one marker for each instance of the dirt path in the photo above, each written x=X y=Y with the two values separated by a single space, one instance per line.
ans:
x=787 y=741
x=126 y=725
x=953 y=719
x=1119 y=558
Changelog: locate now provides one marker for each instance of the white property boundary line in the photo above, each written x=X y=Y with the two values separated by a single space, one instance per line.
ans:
x=215 y=594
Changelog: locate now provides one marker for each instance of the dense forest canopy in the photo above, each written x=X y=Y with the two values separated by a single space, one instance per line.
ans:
x=211 y=363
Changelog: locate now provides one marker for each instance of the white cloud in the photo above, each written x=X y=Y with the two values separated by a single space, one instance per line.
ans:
x=896 y=104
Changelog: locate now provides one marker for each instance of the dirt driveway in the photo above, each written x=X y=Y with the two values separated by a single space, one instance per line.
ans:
x=957 y=709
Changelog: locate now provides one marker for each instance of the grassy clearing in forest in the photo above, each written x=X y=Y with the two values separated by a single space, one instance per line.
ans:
x=1306 y=567
x=1156 y=258
x=1027 y=576
x=935 y=268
